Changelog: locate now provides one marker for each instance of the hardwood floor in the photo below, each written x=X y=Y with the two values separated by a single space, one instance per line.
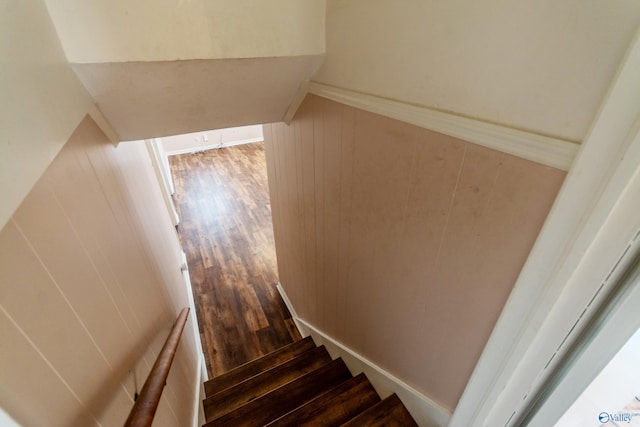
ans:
x=225 y=230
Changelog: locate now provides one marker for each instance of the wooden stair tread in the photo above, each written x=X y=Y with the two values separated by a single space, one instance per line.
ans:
x=254 y=367
x=334 y=407
x=286 y=398
x=389 y=412
x=233 y=397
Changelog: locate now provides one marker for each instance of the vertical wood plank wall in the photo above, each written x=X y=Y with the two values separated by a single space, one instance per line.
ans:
x=399 y=242
x=89 y=286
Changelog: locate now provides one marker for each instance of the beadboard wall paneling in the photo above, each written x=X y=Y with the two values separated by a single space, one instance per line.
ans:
x=91 y=283
x=401 y=243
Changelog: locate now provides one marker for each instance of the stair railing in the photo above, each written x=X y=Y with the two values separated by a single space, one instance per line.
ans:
x=146 y=404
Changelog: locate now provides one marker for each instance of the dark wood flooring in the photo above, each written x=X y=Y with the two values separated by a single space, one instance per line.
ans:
x=225 y=230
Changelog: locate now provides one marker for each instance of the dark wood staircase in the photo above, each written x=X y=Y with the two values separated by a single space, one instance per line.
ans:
x=298 y=385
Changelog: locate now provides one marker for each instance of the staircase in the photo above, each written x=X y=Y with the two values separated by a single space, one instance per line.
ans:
x=298 y=385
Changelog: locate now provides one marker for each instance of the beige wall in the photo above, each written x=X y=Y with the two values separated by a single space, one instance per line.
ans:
x=537 y=65
x=164 y=30
x=148 y=99
x=42 y=100
x=399 y=242
x=89 y=285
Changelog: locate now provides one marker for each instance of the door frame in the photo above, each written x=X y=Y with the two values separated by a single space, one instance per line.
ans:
x=607 y=333
x=163 y=175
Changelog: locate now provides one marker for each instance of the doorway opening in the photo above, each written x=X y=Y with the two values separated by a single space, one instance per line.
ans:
x=221 y=197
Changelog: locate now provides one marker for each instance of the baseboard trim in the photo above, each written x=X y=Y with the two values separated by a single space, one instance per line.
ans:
x=425 y=411
x=212 y=147
x=198 y=418
x=197 y=393
x=555 y=152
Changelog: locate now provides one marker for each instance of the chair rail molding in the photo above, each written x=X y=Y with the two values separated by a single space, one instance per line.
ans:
x=546 y=150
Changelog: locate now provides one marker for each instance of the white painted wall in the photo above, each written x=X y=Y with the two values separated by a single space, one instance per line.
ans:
x=192 y=142
x=151 y=30
x=537 y=65
x=42 y=100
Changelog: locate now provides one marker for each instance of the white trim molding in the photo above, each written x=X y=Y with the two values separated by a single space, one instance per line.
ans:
x=425 y=411
x=184 y=268
x=616 y=325
x=104 y=125
x=549 y=151
x=198 y=418
x=583 y=244
x=198 y=396
x=156 y=156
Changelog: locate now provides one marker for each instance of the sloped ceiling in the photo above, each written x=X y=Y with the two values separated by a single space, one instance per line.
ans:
x=158 y=68
x=153 y=99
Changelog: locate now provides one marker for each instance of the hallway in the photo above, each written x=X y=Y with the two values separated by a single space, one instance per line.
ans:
x=225 y=231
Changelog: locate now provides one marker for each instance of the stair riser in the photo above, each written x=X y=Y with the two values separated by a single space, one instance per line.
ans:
x=232 y=398
x=248 y=370
x=286 y=398
x=336 y=406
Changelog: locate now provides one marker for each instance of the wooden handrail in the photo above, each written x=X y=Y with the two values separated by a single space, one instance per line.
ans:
x=144 y=408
